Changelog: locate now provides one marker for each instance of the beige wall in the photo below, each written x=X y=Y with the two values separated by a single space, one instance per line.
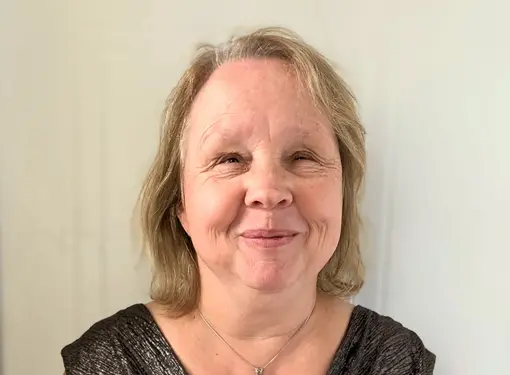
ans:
x=81 y=88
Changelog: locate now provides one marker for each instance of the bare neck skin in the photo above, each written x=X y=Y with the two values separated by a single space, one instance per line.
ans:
x=245 y=314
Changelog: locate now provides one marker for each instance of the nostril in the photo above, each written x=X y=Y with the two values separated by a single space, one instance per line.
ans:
x=268 y=198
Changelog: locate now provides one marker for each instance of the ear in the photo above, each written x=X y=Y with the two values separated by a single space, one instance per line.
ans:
x=183 y=217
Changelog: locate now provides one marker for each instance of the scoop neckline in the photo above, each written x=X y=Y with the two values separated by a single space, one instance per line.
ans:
x=337 y=362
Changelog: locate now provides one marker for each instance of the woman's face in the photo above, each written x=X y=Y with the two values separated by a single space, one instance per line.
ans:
x=262 y=179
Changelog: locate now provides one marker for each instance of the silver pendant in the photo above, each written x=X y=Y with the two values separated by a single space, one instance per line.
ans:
x=258 y=370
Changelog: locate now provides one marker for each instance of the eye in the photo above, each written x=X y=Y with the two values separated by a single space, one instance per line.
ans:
x=303 y=155
x=229 y=159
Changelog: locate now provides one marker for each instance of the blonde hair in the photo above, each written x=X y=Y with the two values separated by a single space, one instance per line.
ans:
x=176 y=283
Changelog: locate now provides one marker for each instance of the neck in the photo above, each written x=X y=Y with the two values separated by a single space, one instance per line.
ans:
x=243 y=313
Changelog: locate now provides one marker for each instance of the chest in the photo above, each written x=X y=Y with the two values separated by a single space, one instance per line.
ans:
x=304 y=358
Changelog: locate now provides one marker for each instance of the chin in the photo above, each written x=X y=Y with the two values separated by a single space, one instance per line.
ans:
x=269 y=278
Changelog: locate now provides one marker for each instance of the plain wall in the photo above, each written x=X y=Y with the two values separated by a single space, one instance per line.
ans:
x=82 y=85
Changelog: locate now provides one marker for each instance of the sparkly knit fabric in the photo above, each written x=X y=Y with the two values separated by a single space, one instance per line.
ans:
x=131 y=343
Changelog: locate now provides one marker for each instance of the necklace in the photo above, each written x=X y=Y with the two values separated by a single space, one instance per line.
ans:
x=257 y=370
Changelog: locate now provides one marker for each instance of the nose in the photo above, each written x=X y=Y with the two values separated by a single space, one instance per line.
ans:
x=268 y=188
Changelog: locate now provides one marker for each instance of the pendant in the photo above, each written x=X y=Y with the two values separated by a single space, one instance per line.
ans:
x=258 y=370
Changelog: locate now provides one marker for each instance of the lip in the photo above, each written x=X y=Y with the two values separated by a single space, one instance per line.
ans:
x=268 y=238
x=268 y=233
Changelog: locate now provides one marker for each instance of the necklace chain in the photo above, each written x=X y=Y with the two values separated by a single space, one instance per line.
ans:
x=258 y=370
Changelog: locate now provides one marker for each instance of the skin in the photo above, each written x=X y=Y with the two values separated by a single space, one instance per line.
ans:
x=262 y=204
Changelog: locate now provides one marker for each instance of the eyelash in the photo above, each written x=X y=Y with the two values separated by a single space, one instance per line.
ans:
x=306 y=155
x=223 y=159
x=226 y=158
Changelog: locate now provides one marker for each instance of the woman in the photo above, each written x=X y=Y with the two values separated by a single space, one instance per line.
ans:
x=251 y=220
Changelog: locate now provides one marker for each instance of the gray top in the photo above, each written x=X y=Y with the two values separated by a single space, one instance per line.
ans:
x=131 y=343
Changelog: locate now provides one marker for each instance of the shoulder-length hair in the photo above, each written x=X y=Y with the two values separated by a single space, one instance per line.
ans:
x=176 y=283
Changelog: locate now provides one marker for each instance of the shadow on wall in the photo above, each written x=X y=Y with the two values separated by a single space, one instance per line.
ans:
x=1 y=305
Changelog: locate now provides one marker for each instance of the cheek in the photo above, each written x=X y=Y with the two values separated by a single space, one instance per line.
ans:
x=323 y=210
x=211 y=207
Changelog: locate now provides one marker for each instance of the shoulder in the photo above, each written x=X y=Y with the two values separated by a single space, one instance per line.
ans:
x=101 y=349
x=392 y=348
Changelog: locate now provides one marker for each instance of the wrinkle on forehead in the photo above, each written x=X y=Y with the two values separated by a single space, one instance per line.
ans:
x=242 y=91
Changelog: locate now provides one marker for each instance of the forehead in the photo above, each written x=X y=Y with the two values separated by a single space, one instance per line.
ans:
x=256 y=91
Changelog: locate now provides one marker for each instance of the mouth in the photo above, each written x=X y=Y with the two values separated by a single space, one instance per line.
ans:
x=268 y=238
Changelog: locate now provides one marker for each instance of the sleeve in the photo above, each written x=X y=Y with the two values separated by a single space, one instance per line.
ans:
x=95 y=352
x=405 y=354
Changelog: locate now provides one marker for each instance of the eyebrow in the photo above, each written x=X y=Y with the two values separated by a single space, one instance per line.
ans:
x=209 y=131
x=302 y=136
